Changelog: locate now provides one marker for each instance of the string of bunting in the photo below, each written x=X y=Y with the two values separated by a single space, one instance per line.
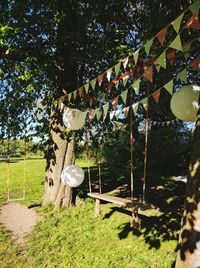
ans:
x=159 y=62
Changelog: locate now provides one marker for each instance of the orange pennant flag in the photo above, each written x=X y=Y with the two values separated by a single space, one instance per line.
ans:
x=148 y=74
x=126 y=111
x=115 y=102
x=156 y=95
x=91 y=114
x=100 y=78
x=170 y=55
x=196 y=64
x=161 y=35
x=193 y=23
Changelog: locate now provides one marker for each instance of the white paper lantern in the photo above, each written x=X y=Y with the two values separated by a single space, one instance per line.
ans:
x=73 y=119
x=184 y=103
x=72 y=176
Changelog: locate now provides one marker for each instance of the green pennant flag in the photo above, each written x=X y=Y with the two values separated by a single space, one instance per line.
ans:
x=183 y=75
x=109 y=72
x=136 y=85
x=93 y=83
x=86 y=86
x=98 y=113
x=195 y=7
x=105 y=110
x=69 y=96
x=158 y=68
x=125 y=79
x=147 y=46
x=124 y=95
x=144 y=103
x=136 y=55
x=176 y=43
x=117 y=68
x=135 y=107
x=161 y=60
x=177 y=23
x=169 y=86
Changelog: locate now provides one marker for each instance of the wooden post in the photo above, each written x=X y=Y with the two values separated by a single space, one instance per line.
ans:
x=97 y=208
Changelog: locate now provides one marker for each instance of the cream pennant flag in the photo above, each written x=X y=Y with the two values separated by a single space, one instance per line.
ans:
x=80 y=91
x=117 y=113
x=125 y=79
x=169 y=86
x=112 y=114
x=135 y=107
x=136 y=55
x=195 y=7
x=125 y=62
x=69 y=96
x=126 y=111
x=183 y=75
x=136 y=85
x=144 y=103
x=86 y=86
x=124 y=95
x=147 y=46
x=81 y=116
x=105 y=110
x=161 y=60
x=177 y=23
x=117 y=68
x=91 y=114
x=176 y=43
x=109 y=72
x=93 y=83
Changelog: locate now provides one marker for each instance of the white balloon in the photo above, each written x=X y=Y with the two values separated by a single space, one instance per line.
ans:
x=184 y=103
x=72 y=176
x=73 y=118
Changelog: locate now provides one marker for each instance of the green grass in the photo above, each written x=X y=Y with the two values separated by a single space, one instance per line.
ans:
x=75 y=239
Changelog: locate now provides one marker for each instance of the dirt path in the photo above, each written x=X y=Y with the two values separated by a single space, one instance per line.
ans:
x=19 y=220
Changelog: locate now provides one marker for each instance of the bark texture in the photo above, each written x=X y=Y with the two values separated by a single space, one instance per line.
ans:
x=189 y=245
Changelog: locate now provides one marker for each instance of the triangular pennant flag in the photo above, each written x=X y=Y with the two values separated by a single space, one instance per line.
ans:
x=147 y=46
x=170 y=55
x=74 y=94
x=117 y=84
x=105 y=110
x=176 y=43
x=90 y=101
x=124 y=95
x=100 y=78
x=117 y=113
x=183 y=75
x=144 y=103
x=148 y=74
x=125 y=79
x=135 y=56
x=81 y=116
x=93 y=83
x=80 y=91
x=91 y=114
x=161 y=35
x=86 y=86
x=177 y=23
x=62 y=107
x=115 y=102
x=158 y=68
x=117 y=68
x=196 y=64
x=98 y=113
x=135 y=107
x=161 y=60
x=169 y=86
x=69 y=96
x=136 y=85
x=112 y=113
x=126 y=111
x=109 y=72
x=195 y=7
x=193 y=23
x=125 y=62
x=156 y=95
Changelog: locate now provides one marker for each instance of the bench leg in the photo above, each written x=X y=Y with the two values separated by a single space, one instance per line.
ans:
x=97 y=208
x=135 y=221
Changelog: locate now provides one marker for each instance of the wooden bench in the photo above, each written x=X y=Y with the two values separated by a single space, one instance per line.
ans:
x=122 y=202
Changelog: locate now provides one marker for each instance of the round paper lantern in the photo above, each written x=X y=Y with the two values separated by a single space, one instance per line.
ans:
x=72 y=176
x=184 y=103
x=73 y=119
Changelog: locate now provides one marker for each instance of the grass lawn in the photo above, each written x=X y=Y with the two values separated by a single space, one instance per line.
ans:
x=73 y=238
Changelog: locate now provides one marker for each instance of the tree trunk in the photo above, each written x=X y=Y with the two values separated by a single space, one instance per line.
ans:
x=60 y=153
x=189 y=244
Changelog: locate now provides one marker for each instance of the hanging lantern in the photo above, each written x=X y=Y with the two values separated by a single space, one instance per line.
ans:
x=73 y=119
x=184 y=103
x=72 y=176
